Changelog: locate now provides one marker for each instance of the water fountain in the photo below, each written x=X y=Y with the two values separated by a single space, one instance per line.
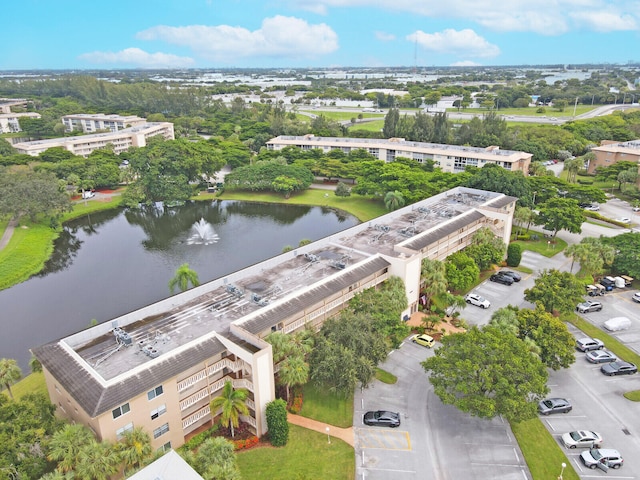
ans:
x=202 y=233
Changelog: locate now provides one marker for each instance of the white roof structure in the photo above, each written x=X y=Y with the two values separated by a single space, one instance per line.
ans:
x=170 y=466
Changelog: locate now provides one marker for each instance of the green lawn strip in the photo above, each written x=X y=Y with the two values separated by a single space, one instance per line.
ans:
x=529 y=111
x=374 y=126
x=327 y=407
x=32 y=383
x=308 y=455
x=541 y=452
x=386 y=377
x=542 y=246
x=26 y=253
x=31 y=244
x=342 y=116
x=364 y=208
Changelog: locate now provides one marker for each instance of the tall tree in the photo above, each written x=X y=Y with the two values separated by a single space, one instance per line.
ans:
x=487 y=373
x=9 y=373
x=433 y=278
x=393 y=200
x=556 y=291
x=233 y=404
x=32 y=194
x=561 y=214
x=293 y=371
x=183 y=278
x=391 y=120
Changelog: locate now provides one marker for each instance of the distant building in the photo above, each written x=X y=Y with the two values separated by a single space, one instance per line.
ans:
x=612 y=152
x=450 y=158
x=159 y=367
x=90 y=123
x=10 y=121
x=83 y=145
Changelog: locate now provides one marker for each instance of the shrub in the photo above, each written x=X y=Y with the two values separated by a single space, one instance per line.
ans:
x=197 y=440
x=514 y=254
x=277 y=422
x=585 y=182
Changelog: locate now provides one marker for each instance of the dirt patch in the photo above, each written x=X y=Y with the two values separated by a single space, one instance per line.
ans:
x=416 y=321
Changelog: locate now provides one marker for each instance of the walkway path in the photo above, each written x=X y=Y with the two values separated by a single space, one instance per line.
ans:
x=345 y=434
x=6 y=236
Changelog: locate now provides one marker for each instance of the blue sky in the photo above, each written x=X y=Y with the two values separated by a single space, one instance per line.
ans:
x=89 y=34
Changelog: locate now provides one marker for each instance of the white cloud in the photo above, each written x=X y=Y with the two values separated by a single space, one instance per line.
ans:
x=384 y=36
x=278 y=36
x=605 y=21
x=546 y=17
x=465 y=43
x=138 y=58
x=465 y=63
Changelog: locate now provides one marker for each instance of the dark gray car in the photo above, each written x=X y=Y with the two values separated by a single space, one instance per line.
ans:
x=382 y=418
x=618 y=368
x=554 y=405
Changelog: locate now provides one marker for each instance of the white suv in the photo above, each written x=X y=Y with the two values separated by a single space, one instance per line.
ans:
x=477 y=300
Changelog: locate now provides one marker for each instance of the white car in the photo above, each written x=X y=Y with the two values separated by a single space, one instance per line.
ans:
x=582 y=439
x=592 y=208
x=623 y=220
x=477 y=300
x=636 y=297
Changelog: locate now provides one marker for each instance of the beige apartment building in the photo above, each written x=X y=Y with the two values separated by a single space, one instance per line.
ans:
x=450 y=158
x=611 y=152
x=90 y=122
x=159 y=367
x=83 y=145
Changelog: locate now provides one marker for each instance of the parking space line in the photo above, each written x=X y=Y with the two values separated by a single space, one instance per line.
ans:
x=384 y=440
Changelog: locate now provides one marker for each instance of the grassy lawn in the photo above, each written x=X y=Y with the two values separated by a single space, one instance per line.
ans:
x=307 y=456
x=542 y=246
x=32 y=243
x=363 y=208
x=342 y=116
x=327 y=407
x=541 y=452
x=374 y=126
x=386 y=377
x=530 y=111
x=33 y=383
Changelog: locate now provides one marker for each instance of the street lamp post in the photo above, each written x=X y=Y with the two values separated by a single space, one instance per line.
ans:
x=329 y=438
x=562 y=471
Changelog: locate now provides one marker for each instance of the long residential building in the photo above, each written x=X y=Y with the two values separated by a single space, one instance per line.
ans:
x=83 y=145
x=159 y=367
x=93 y=122
x=450 y=158
x=9 y=120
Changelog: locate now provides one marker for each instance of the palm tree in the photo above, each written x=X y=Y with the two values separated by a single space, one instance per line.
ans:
x=232 y=403
x=9 y=373
x=65 y=445
x=281 y=345
x=135 y=447
x=572 y=166
x=184 y=276
x=434 y=280
x=393 y=200
x=293 y=371
x=97 y=461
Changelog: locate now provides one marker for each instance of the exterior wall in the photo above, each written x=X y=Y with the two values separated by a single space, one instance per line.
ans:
x=89 y=123
x=450 y=158
x=607 y=155
x=10 y=122
x=85 y=144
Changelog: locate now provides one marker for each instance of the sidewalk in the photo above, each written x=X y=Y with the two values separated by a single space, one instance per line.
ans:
x=345 y=434
x=7 y=233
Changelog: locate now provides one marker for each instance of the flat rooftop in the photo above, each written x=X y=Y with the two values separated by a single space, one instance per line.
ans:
x=142 y=340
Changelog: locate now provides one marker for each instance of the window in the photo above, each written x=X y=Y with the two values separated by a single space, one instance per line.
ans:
x=165 y=447
x=121 y=410
x=161 y=430
x=156 y=392
x=158 y=411
x=121 y=431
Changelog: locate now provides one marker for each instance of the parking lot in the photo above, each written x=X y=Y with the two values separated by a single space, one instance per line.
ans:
x=437 y=441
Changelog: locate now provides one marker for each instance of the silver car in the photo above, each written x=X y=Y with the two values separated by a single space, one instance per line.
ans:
x=582 y=439
x=600 y=356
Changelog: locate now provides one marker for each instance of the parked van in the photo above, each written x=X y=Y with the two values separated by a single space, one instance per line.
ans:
x=88 y=194
x=620 y=283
